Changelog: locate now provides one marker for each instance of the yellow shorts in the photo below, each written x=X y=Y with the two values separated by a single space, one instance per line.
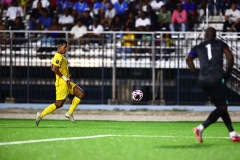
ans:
x=62 y=90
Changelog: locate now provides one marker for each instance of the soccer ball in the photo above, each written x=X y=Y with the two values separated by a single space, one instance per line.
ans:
x=137 y=95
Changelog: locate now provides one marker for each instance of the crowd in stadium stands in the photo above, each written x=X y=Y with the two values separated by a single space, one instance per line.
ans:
x=80 y=16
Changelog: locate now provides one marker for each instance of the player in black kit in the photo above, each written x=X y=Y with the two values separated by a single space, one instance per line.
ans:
x=212 y=78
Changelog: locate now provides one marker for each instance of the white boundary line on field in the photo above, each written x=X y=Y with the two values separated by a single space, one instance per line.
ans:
x=53 y=139
x=98 y=136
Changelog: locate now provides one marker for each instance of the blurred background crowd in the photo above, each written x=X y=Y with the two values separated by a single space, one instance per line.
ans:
x=80 y=16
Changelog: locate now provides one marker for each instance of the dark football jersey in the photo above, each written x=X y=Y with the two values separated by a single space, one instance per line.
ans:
x=210 y=54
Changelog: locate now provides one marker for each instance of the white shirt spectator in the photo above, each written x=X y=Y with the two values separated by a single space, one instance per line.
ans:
x=110 y=13
x=114 y=1
x=14 y=12
x=233 y=15
x=45 y=3
x=66 y=19
x=78 y=32
x=96 y=30
x=142 y=22
x=156 y=6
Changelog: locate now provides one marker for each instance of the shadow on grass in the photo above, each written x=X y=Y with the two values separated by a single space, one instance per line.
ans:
x=192 y=146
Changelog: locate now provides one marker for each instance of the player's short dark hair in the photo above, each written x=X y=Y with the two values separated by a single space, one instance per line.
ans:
x=210 y=33
x=61 y=41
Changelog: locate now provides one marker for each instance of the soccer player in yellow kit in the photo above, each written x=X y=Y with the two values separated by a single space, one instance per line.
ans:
x=63 y=85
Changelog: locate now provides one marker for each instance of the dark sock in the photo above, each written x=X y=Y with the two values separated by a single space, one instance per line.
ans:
x=212 y=118
x=227 y=120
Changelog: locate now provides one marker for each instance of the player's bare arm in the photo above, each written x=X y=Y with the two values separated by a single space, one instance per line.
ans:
x=55 y=69
x=230 y=58
x=190 y=63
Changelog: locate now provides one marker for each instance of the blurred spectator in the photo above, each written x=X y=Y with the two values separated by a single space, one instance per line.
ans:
x=164 y=19
x=79 y=8
x=127 y=44
x=143 y=5
x=167 y=43
x=78 y=31
x=117 y=24
x=97 y=30
x=109 y=14
x=3 y=35
x=130 y=23
x=121 y=8
x=104 y=8
x=146 y=41
x=179 y=19
x=34 y=15
x=4 y=5
x=156 y=5
x=19 y=38
x=192 y=14
x=171 y=5
x=97 y=6
x=232 y=19
x=65 y=4
x=55 y=27
x=44 y=21
x=13 y=11
x=23 y=4
x=151 y=14
x=66 y=20
x=44 y=3
x=142 y=22
x=47 y=45
x=87 y=19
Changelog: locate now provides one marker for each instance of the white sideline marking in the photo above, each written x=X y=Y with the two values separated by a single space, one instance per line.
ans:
x=100 y=136
x=52 y=139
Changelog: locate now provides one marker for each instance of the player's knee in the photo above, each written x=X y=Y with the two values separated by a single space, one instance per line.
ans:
x=81 y=95
x=59 y=104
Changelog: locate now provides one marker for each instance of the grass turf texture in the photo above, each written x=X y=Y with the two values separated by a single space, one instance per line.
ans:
x=114 y=140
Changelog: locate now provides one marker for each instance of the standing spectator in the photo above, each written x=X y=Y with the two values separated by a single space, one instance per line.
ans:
x=164 y=19
x=232 y=19
x=121 y=8
x=156 y=5
x=67 y=20
x=44 y=21
x=179 y=19
x=13 y=11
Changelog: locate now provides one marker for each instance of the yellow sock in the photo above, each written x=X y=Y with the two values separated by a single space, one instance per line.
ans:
x=48 y=110
x=75 y=102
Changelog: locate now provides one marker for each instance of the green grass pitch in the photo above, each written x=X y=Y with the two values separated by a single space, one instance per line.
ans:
x=113 y=140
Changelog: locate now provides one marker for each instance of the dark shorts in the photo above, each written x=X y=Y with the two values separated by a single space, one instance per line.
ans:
x=217 y=92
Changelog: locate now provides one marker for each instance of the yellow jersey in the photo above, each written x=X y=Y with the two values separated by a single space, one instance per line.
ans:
x=60 y=61
x=128 y=40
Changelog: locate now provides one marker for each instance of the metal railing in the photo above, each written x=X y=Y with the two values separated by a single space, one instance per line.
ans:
x=107 y=70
